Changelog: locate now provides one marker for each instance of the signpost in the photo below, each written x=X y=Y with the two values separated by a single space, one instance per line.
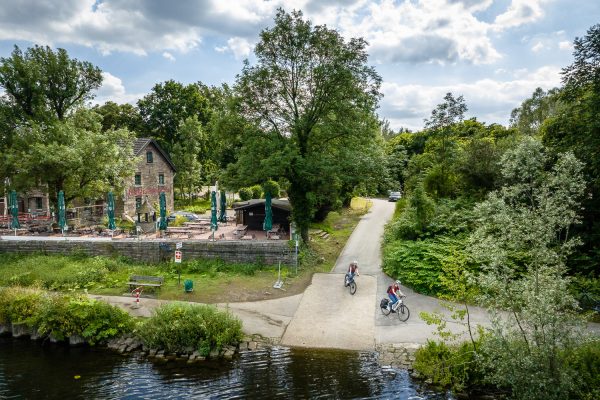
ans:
x=178 y=261
x=178 y=245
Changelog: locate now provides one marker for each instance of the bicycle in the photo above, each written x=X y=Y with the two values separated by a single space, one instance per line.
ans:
x=399 y=308
x=350 y=283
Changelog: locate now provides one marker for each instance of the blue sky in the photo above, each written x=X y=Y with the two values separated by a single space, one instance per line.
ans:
x=493 y=52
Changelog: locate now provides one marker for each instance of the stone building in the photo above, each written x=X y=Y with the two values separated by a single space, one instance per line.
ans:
x=154 y=173
x=34 y=202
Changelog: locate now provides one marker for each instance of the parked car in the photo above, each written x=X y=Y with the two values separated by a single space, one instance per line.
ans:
x=395 y=196
x=188 y=215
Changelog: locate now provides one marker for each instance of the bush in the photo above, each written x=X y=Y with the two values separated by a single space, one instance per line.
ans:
x=62 y=316
x=584 y=362
x=272 y=187
x=180 y=220
x=245 y=194
x=176 y=326
x=257 y=191
x=18 y=305
x=420 y=264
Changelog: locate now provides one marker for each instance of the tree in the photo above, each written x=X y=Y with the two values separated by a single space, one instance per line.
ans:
x=528 y=118
x=43 y=84
x=185 y=156
x=439 y=179
x=167 y=106
x=116 y=116
x=309 y=91
x=73 y=155
x=522 y=240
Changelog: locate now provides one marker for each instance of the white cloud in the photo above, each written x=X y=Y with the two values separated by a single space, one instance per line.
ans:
x=520 y=12
x=537 y=47
x=489 y=100
x=565 y=45
x=168 y=56
x=240 y=47
x=112 y=89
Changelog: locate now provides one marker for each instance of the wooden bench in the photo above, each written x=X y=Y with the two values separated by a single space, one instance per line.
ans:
x=143 y=280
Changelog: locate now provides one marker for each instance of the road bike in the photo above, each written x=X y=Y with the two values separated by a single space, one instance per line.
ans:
x=350 y=283
x=399 y=308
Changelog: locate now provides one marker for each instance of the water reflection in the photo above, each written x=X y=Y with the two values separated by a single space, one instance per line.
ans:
x=33 y=370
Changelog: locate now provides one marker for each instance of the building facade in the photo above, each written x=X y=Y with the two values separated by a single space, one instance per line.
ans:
x=154 y=173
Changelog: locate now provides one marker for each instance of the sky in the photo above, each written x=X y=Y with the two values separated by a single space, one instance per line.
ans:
x=493 y=52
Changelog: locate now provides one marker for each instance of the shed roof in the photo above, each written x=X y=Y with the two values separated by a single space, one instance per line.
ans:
x=282 y=204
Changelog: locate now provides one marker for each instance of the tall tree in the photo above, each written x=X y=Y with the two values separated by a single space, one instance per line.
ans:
x=167 y=106
x=528 y=118
x=522 y=239
x=116 y=116
x=440 y=179
x=73 y=155
x=42 y=83
x=309 y=90
x=185 y=156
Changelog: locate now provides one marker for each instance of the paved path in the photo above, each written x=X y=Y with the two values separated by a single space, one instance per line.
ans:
x=326 y=315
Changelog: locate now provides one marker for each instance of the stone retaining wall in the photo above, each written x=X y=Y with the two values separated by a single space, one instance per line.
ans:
x=267 y=252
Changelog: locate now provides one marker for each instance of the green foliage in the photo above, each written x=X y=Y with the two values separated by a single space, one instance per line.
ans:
x=185 y=152
x=420 y=264
x=63 y=315
x=197 y=206
x=257 y=191
x=584 y=364
x=180 y=220
x=272 y=187
x=317 y=140
x=456 y=367
x=212 y=267
x=245 y=194
x=175 y=326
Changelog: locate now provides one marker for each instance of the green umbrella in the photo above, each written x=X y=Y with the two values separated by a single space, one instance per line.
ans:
x=14 y=210
x=222 y=213
x=213 y=211
x=163 y=212
x=268 y=224
x=62 y=221
x=111 y=212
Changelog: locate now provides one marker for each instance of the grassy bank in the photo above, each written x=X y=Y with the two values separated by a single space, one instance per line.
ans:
x=214 y=281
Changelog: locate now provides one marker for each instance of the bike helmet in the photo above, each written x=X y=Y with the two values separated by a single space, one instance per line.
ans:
x=398 y=283
x=355 y=262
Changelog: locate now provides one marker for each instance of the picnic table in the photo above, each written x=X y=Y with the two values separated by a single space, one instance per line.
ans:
x=240 y=230
x=178 y=231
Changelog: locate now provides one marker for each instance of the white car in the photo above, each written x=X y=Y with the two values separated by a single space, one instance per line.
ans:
x=395 y=196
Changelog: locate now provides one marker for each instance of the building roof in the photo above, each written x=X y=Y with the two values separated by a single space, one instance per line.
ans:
x=282 y=204
x=141 y=143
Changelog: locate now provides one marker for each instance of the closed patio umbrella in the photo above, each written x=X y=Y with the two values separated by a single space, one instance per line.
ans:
x=223 y=206
x=14 y=210
x=111 y=212
x=268 y=224
x=62 y=221
x=163 y=212
x=213 y=211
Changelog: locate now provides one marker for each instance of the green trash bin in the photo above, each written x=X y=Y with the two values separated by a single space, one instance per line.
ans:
x=188 y=285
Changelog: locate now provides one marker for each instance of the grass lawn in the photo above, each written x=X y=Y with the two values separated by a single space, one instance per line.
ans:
x=214 y=281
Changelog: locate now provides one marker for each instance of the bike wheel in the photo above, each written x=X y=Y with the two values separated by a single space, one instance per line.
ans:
x=403 y=313
x=352 y=287
x=384 y=310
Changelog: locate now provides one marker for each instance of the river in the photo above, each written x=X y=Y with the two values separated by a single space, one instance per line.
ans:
x=32 y=370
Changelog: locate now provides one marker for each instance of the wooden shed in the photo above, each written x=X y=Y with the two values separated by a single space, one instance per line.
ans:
x=252 y=213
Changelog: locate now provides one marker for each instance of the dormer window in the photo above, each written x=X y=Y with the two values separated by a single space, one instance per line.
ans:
x=149 y=158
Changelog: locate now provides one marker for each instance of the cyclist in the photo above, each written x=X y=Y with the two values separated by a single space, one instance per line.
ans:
x=394 y=293
x=352 y=270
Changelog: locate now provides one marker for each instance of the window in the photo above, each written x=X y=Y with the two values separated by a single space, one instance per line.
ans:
x=149 y=157
x=138 y=202
x=138 y=179
x=38 y=203
x=161 y=179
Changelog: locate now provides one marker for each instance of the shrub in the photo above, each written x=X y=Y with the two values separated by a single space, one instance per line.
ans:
x=451 y=366
x=245 y=194
x=176 y=326
x=420 y=264
x=584 y=362
x=63 y=315
x=180 y=220
x=257 y=191
x=272 y=187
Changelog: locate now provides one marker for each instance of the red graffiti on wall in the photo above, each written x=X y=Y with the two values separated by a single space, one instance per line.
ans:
x=140 y=191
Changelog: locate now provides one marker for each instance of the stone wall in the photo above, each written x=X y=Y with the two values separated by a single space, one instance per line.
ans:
x=268 y=252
